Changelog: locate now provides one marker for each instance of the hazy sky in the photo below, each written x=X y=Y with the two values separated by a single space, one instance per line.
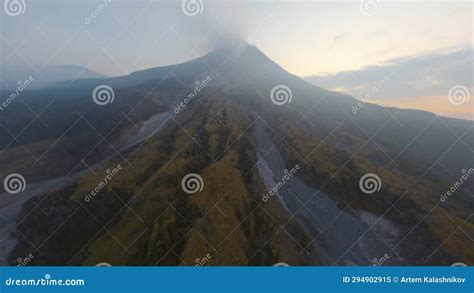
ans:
x=418 y=82
x=305 y=37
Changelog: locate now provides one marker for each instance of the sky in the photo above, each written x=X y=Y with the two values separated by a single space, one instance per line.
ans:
x=417 y=82
x=324 y=39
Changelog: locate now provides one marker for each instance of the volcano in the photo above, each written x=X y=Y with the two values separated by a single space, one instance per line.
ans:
x=230 y=159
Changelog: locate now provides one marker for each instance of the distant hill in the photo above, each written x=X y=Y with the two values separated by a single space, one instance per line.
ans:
x=48 y=76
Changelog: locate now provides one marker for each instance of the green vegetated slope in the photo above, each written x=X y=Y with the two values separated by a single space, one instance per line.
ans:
x=143 y=216
x=336 y=148
x=68 y=126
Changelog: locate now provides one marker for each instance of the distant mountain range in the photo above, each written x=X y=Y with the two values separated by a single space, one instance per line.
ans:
x=278 y=167
x=47 y=76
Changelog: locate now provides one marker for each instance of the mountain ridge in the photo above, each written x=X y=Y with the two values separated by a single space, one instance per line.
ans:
x=229 y=133
x=48 y=76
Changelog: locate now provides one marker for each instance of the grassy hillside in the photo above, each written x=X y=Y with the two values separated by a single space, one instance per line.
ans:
x=143 y=217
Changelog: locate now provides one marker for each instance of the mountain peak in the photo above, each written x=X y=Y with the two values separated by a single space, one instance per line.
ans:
x=240 y=52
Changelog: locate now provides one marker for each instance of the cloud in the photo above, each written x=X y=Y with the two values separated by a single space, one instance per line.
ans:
x=341 y=37
x=408 y=80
